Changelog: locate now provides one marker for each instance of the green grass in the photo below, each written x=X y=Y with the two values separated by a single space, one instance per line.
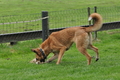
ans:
x=15 y=61
x=35 y=6
x=62 y=13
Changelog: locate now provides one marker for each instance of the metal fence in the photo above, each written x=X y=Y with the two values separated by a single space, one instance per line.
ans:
x=111 y=17
x=26 y=27
x=68 y=18
x=20 y=23
x=109 y=14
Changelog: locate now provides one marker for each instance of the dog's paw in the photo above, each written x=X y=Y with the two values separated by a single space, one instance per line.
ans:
x=97 y=59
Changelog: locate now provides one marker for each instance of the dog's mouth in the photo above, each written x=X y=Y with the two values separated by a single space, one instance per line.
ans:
x=42 y=60
x=38 y=62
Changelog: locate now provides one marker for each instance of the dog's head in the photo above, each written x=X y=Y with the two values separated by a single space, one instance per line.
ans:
x=40 y=55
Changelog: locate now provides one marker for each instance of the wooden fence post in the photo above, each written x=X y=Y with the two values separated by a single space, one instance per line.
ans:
x=13 y=43
x=95 y=10
x=89 y=15
x=95 y=33
x=45 y=27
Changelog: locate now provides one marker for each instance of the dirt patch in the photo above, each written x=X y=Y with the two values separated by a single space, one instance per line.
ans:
x=113 y=32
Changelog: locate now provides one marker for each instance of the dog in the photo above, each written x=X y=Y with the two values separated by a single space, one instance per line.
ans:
x=60 y=41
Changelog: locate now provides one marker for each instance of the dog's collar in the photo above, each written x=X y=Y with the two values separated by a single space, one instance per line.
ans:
x=43 y=54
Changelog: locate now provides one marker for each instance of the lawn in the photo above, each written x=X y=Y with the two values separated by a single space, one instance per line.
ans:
x=14 y=7
x=61 y=13
x=15 y=61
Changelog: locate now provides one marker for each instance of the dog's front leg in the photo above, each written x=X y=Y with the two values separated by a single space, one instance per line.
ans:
x=52 y=58
x=61 y=54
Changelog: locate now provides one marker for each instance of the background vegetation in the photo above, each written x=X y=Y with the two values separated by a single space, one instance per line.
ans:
x=14 y=60
x=61 y=13
x=13 y=7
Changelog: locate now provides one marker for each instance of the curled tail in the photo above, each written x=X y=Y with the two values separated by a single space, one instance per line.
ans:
x=98 y=22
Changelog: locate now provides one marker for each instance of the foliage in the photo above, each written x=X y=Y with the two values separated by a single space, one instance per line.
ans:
x=66 y=13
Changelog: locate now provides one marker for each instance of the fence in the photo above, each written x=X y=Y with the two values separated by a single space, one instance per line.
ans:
x=68 y=18
x=26 y=27
x=21 y=23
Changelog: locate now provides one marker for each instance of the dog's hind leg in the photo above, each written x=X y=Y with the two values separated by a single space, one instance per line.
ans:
x=84 y=52
x=82 y=42
x=94 y=49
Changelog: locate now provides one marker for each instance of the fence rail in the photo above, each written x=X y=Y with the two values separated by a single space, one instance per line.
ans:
x=20 y=23
x=14 y=37
x=23 y=21
x=32 y=26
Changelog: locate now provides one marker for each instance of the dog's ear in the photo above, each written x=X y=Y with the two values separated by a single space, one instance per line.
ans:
x=34 y=50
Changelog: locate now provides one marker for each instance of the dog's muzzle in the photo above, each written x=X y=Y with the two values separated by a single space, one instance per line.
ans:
x=42 y=60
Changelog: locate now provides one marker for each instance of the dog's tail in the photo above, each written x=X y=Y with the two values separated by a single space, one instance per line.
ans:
x=97 y=22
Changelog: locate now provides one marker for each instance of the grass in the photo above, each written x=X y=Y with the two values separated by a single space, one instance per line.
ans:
x=15 y=61
x=12 y=7
x=62 y=13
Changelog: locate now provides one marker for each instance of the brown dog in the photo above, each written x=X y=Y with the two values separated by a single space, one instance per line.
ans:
x=59 y=42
